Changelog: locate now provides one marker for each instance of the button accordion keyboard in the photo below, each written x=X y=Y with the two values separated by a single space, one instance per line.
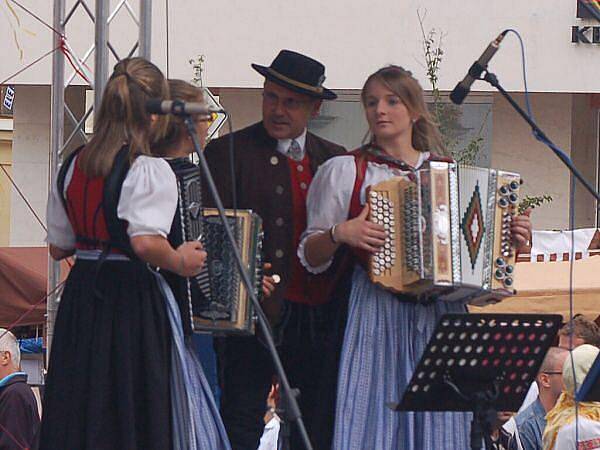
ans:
x=448 y=233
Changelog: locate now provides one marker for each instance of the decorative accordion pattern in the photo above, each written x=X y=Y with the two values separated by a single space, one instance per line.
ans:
x=448 y=233
x=216 y=299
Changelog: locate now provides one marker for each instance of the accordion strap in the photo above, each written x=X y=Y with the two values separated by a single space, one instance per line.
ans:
x=361 y=159
x=113 y=184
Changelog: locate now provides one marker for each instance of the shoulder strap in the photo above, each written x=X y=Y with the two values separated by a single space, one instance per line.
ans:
x=62 y=174
x=440 y=158
x=360 y=160
x=113 y=183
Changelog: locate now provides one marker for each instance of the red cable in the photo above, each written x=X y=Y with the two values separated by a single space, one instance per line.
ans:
x=13 y=438
x=30 y=310
x=23 y=197
x=65 y=50
x=28 y=66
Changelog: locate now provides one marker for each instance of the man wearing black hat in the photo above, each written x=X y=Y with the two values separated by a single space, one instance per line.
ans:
x=274 y=163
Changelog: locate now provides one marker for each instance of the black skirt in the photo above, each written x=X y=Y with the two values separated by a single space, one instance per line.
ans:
x=108 y=378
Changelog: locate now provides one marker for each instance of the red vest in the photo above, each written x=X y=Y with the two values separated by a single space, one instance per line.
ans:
x=300 y=177
x=84 y=208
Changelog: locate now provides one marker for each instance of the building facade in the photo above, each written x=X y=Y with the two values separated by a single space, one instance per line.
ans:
x=353 y=38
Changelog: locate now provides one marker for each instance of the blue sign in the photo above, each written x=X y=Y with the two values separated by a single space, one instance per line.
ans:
x=9 y=98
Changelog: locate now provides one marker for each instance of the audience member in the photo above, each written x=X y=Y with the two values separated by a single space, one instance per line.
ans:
x=19 y=417
x=532 y=421
x=563 y=431
x=584 y=332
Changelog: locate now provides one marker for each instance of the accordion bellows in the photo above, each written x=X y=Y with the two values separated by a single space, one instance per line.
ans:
x=448 y=233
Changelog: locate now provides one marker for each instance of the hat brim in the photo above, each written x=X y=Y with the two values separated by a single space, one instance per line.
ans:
x=325 y=94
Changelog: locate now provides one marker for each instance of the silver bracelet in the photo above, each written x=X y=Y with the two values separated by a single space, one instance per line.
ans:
x=332 y=233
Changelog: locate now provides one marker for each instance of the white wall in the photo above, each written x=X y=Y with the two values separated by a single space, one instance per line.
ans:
x=31 y=144
x=513 y=148
x=352 y=37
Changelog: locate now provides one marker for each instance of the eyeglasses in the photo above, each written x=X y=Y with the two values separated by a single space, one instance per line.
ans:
x=555 y=372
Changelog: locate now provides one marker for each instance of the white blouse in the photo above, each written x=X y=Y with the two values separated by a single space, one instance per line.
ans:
x=330 y=193
x=148 y=202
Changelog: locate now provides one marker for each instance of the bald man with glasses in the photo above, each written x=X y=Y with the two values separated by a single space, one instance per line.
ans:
x=532 y=420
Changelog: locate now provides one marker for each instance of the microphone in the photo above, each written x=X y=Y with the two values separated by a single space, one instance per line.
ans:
x=179 y=108
x=463 y=88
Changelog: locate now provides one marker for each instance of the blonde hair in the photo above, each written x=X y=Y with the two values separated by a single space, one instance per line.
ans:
x=122 y=118
x=185 y=92
x=575 y=369
x=425 y=134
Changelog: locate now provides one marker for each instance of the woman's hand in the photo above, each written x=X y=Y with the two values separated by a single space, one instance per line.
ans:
x=58 y=253
x=361 y=233
x=268 y=282
x=192 y=258
x=520 y=228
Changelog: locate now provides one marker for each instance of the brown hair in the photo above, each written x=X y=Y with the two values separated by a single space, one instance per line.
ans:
x=582 y=328
x=122 y=118
x=185 y=92
x=425 y=134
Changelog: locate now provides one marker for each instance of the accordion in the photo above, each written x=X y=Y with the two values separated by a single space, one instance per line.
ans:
x=448 y=233
x=215 y=300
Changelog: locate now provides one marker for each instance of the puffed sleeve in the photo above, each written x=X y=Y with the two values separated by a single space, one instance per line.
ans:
x=60 y=231
x=149 y=197
x=328 y=202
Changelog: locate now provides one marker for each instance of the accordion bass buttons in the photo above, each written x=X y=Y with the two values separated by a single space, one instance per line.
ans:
x=279 y=253
x=508 y=198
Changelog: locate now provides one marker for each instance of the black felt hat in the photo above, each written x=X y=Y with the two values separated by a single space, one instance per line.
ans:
x=298 y=73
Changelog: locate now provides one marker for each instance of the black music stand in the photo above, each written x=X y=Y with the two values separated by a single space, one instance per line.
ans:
x=590 y=388
x=482 y=363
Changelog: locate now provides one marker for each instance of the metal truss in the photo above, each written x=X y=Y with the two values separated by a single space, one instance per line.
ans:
x=100 y=18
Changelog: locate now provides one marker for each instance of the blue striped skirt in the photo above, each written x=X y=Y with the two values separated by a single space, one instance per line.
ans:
x=383 y=342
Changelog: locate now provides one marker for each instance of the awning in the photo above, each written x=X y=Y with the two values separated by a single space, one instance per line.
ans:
x=544 y=287
x=23 y=283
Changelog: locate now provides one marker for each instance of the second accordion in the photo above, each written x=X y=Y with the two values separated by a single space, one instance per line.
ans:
x=216 y=300
x=448 y=233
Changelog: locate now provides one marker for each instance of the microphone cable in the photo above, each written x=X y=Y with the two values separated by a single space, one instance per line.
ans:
x=571 y=225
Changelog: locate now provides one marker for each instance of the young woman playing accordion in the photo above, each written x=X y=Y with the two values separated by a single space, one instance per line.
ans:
x=385 y=333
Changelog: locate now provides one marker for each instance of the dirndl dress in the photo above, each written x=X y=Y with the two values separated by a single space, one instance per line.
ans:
x=383 y=342
x=121 y=375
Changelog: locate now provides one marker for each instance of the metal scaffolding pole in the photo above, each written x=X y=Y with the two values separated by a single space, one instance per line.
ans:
x=145 y=37
x=101 y=59
x=101 y=19
x=57 y=123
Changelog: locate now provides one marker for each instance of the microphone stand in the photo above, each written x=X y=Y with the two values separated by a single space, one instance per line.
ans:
x=493 y=80
x=292 y=410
